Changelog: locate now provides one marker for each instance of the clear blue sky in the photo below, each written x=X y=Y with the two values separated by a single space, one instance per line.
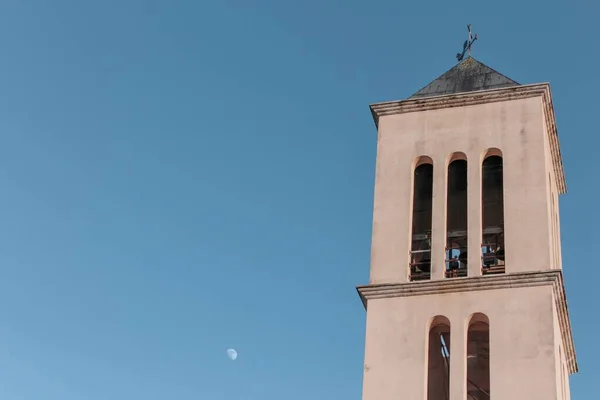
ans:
x=180 y=177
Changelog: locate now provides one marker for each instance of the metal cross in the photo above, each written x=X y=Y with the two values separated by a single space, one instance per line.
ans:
x=467 y=45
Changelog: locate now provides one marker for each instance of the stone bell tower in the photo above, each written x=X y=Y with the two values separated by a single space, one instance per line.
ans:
x=466 y=297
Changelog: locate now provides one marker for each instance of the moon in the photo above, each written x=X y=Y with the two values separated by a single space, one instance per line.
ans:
x=232 y=354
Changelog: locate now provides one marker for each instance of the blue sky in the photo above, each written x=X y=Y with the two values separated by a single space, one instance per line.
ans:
x=181 y=177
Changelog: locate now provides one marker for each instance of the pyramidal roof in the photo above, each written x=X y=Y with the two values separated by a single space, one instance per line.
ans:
x=468 y=75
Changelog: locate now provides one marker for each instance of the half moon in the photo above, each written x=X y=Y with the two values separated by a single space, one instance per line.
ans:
x=232 y=354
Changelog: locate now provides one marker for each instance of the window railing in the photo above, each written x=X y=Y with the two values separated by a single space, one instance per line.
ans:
x=492 y=260
x=420 y=265
x=456 y=261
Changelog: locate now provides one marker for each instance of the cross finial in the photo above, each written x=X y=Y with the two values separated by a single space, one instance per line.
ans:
x=467 y=45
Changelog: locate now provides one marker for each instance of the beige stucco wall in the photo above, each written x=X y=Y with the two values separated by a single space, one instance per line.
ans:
x=561 y=372
x=522 y=343
x=517 y=128
x=553 y=209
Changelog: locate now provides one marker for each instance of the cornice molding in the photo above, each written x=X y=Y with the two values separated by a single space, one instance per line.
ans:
x=542 y=90
x=490 y=282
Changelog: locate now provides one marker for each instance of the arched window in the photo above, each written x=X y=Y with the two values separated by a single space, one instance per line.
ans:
x=456 y=217
x=420 y=251
x=492 y=212
x=478 y=358
x=438 y=366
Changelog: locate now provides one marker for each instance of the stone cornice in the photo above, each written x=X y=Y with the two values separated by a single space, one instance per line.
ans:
x=489 y=282
x=542 y=90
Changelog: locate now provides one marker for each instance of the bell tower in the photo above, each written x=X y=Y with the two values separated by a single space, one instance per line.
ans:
x=466 y=297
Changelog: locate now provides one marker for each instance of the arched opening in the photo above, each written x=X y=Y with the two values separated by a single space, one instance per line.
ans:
x=438 y=366
x=420 y=251
x=492 y=212
x=478 y=358
x=456 y=217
